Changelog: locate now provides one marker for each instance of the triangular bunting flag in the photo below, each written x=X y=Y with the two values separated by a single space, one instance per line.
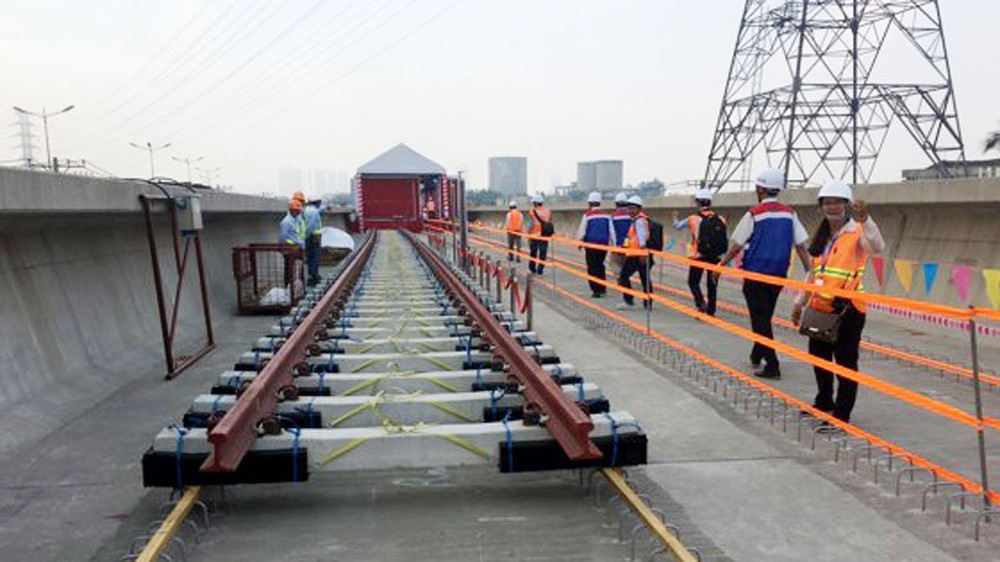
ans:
x=930 y=275
x=878 y=264
x=670 y=244
x=961 y=275
x=992 y=278
x=904 y=271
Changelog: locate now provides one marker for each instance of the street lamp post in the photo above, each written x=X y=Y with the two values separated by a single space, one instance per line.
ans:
x=209 y=174
x=45 y=125
x=188 y=162
x=149 y=146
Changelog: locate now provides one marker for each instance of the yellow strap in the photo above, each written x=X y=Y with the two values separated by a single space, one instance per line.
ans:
x=334 y=455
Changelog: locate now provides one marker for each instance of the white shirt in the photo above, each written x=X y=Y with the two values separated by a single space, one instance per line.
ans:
x=741 y=235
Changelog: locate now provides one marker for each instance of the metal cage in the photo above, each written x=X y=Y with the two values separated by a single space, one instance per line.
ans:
x=270 y=278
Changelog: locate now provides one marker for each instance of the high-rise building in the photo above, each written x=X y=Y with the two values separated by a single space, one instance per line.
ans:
x=601 y=175
x=608 y=175
x=509 y=175
x=586 y=176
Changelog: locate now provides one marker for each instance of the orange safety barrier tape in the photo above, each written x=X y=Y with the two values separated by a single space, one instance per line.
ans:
x=884 y=350
x=787 y=398
x=944 y=310
x=895 y=391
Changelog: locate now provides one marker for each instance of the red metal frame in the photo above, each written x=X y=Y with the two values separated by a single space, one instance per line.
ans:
x=567 y=423
x=236 y=433
x=168 y=326
x=246 y=268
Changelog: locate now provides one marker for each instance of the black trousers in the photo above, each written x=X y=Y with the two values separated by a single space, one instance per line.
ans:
x=513 y=240
x=595 y=268
x=694 y=283
x=631 y=266
x=538 y=249
x=761 y=299
x=845 y=353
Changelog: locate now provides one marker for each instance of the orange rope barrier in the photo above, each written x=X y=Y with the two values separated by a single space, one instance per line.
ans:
x=895 y=391
x=944 y=310
x=787 y=398
x=884 y=350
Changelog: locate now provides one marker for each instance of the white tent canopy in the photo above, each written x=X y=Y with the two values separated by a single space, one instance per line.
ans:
x=335 y=238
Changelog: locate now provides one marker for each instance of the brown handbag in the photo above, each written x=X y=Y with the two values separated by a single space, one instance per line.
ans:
x=821 y=326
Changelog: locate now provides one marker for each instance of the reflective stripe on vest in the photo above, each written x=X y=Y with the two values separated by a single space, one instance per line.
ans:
x=844 y=269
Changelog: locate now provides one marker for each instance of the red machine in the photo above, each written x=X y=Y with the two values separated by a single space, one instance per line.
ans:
x=399 y=189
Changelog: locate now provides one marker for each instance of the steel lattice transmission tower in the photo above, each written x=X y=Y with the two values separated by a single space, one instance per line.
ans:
x=814 y=86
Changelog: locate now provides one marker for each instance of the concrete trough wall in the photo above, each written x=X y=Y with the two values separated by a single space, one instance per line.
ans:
x=78 y=313
x=937 y=221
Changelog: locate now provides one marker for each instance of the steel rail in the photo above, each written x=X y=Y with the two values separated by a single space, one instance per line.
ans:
x=237 y=431
x=567 y=423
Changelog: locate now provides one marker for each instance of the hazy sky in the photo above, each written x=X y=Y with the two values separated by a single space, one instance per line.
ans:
x=253 y=86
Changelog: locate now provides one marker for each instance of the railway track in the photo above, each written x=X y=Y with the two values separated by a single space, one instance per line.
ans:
x=403 y=363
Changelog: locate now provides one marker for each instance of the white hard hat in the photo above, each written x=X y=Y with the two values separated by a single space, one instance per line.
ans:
x=538 y=198
x=703 y=195
x=620 y=197
x=771 y=178
x=835 y=188
x=594 y=197
x=635 y=200
x=512 y=204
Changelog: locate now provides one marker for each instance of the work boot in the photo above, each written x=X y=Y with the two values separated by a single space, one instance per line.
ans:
x=768 y=372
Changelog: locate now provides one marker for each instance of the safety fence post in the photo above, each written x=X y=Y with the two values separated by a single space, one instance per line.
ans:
x=647 y=289
x=552 y=258
x=979 y=415
x=499 y=273
x=529 y=302
x=513 y=287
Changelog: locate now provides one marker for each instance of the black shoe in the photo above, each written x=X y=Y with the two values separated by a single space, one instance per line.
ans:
x=769 y=372
x=757 y=365
x=596 y=295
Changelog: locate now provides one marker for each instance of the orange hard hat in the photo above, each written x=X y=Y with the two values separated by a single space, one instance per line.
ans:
x=295 y=205
x=299 y=196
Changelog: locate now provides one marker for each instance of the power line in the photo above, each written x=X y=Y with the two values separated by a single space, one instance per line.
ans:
x=348 y=72
x=163 y=49
x=281 y=82
x=222 y=80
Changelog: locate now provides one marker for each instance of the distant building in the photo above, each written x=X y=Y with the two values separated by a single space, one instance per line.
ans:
x=509 y=175
x=600 y=175
x=965 y=169
x=289 y=181
x=586 y=176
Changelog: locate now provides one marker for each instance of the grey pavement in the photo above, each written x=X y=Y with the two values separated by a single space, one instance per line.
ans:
x=750 y=489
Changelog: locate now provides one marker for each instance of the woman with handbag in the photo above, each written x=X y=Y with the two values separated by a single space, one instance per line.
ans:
x=840 y=247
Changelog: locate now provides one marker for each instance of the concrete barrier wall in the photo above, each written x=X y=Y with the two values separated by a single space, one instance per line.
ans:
x=78 y=314
x=942 y=222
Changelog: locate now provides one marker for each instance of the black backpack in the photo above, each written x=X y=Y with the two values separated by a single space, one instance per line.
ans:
x=655 y=241
x=713 y=238
x=547 y=228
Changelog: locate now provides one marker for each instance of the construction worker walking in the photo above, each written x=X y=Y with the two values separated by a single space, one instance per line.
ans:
x=840 y=248
x=622 y=221
x=709 y=241
x=541 y=226
x=641 y=262
x=768 y=232
x=596 y=228
x=312 y=214
x=513 y=223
